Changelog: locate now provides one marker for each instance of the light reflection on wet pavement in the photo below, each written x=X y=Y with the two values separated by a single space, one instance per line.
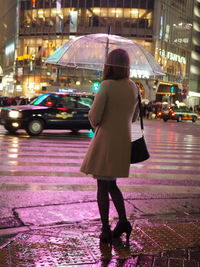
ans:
x=52 y=204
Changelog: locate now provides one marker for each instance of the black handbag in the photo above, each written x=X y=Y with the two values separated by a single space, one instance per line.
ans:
x=139 y=151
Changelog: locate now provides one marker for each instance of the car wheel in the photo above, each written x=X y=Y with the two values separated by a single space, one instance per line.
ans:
x=179 y=119
x=10 y=129
x=165 y=120
x=35 y=127
x=194 y=118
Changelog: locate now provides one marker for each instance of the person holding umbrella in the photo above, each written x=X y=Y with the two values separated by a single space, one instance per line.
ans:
x=108 y=156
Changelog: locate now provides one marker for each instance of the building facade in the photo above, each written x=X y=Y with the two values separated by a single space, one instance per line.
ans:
x=8 y=41
x=173 y=41
x=194 y=80
x=164 y=28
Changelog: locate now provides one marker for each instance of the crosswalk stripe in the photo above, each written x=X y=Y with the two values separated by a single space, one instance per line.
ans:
x=69 y=168
x=129 y=189
x=54 y=164
x=77 y=161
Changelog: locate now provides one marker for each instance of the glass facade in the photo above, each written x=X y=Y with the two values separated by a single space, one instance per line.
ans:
x=57 y=17
x=173 y=44
x=45 y=25
x=8 y=42
x=194 y=83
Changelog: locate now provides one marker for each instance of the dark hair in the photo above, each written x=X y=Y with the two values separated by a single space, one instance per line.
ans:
x=117 y=65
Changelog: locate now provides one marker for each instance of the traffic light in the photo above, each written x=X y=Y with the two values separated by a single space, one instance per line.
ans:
x=172 y=89
x=95 y=86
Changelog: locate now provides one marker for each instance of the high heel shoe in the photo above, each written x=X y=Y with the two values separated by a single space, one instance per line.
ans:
x=106 y=235
x=122 y=227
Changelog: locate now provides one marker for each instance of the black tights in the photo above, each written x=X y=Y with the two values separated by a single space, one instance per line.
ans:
x=103 y=190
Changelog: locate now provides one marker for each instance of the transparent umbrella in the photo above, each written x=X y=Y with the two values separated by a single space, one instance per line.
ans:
x=89 y=52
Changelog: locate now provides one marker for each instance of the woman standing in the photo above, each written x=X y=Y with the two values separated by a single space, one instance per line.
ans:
x=108 y=155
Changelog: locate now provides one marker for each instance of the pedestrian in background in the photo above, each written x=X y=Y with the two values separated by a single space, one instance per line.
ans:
x=108 y=156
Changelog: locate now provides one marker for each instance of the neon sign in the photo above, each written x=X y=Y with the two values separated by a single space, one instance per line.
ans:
x=172 y=56
x=143 y=74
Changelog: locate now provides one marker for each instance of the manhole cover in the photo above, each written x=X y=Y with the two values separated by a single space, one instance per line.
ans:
x=35 y=250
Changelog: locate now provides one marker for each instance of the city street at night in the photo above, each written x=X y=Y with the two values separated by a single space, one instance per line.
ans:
x=72 y=72
x=48 y=210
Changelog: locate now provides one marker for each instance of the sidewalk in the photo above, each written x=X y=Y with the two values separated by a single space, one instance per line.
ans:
x=172 y=240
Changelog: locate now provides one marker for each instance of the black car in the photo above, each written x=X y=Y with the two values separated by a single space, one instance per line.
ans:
x=49 y=111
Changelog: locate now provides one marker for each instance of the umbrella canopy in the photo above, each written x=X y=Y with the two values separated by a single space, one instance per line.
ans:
x=89 y=52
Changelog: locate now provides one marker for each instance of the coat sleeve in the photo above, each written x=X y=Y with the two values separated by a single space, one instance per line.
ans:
x=96 y=112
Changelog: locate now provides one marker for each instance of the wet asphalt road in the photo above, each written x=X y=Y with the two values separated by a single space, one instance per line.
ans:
x=44 y=170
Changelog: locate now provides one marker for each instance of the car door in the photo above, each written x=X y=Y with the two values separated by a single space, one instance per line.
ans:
x=84 y=104
x=187 y=114
x=65 y=111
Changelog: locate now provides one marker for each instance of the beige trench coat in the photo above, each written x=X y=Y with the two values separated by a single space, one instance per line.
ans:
x=112 y=113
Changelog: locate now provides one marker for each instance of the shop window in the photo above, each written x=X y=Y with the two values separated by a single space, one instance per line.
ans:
x=143 y=3
x=104 y=3
x=143 y=23
x=89 y=3
x=97 y=3
x=74 y=3
x=116 y=3
x=24 y=5
x=150 y=4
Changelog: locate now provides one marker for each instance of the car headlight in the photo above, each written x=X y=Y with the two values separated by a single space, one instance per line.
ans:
x=14 y=114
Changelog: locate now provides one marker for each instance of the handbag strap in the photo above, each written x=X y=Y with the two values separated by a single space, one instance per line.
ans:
x=140 y=113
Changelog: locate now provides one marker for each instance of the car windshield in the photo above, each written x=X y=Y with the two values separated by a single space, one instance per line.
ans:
x=182 y=109
x=63 y=101
x=44 y=100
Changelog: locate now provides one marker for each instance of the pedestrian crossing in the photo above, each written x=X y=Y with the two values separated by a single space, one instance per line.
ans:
x=52 y=161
